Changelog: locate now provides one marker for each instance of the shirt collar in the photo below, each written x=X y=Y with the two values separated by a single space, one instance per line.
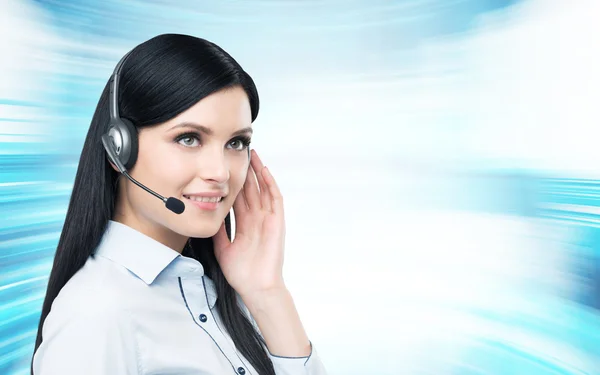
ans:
x=144 y=256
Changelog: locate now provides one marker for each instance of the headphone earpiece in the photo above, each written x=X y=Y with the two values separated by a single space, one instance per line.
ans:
x=124 y=141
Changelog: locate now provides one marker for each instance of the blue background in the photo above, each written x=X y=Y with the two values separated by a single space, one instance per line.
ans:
x=437 y=157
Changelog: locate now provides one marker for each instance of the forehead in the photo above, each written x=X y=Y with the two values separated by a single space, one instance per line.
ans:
x=227 y=109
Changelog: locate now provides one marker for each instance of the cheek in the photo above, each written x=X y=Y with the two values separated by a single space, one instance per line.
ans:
x=164 y=167
x=238 y=173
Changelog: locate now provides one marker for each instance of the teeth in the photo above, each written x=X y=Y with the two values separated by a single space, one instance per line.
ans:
x=204 y=199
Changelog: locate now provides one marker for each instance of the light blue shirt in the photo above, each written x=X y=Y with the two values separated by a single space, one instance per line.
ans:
x=140 y=307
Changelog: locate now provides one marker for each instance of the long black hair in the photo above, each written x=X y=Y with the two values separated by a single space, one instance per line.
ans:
x=162 y=77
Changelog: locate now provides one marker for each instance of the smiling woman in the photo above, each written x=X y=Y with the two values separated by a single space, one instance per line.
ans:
x=139 y=289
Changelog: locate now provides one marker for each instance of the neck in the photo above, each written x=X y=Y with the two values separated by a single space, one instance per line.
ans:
x=155 y=231
x=125 y=214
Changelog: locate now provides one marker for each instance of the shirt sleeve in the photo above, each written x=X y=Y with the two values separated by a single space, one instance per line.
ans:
x=309 y=365
x=90 y=343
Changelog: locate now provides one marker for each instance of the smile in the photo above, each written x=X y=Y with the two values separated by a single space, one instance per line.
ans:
x=196 y=198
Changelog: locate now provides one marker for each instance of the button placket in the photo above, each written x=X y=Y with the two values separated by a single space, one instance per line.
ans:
x=199 y=306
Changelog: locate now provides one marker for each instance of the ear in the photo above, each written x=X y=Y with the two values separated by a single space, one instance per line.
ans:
x=114 y=167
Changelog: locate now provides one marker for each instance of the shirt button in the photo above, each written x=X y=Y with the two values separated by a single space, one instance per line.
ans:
x=203 y=319
x=241 y=371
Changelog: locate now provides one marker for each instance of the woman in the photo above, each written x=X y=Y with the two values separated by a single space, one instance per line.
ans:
x=137 y=288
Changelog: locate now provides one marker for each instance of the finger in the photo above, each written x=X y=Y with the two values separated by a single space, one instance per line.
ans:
x=240 y=207
x=251 y=192
x=265 y=198
x=276 y=196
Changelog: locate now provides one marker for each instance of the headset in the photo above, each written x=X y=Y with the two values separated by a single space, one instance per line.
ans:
x=121 y=140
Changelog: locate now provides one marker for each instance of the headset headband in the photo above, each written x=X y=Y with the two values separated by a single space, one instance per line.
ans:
x=114 y=88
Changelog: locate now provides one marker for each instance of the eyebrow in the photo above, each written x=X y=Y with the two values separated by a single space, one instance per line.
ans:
x=207 y=130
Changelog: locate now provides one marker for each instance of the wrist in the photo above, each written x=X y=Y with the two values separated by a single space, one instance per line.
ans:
x=277 y=318
x=264 y=299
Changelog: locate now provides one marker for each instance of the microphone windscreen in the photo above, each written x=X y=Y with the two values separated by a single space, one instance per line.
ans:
x=175 y=205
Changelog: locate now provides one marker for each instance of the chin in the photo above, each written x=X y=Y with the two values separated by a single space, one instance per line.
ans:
x=201 y=228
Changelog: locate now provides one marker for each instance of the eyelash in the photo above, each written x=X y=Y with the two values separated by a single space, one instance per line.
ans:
x=244 y=139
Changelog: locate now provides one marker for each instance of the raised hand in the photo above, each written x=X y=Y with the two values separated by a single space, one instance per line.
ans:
x=253 y=262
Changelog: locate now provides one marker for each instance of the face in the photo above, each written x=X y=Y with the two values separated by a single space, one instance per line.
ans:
x=200 y=153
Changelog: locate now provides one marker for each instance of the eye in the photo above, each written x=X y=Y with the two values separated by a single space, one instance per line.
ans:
x=188 y=140
x=240 y=144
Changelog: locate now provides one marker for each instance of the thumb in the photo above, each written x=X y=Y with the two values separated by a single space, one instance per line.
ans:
x=220 y=240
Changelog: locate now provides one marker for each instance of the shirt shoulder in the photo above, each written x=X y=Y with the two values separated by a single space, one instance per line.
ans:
x=88 y=329
x=99 y=289
x=92 y=343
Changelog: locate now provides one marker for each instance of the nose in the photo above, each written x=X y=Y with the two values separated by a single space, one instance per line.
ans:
x=213 y=166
